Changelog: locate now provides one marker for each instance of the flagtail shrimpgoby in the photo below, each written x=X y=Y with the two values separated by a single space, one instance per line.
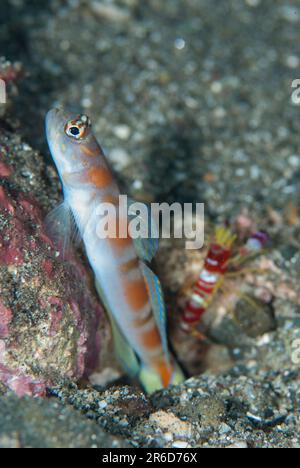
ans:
x=129 y=290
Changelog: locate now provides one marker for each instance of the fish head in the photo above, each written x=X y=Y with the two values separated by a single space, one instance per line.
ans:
x=70 y=140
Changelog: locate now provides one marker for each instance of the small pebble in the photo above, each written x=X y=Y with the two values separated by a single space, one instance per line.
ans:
x=119 y=158
x=224 y=428
x=216 y=87
x=122 y=132
x=179 y=43
x=252 y=3
x=292 y=61
x=180 y=444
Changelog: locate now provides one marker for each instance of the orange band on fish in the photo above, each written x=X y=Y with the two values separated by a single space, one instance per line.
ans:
x=113 y=200
x=137 y=294
x=165 y=374
x=151 y=338
x=101 y=177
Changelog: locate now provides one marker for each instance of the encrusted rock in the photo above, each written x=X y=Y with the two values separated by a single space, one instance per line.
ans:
x=49 y=315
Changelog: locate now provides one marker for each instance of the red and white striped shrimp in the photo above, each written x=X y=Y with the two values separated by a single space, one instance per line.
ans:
x=129 y=290
x=220 y=258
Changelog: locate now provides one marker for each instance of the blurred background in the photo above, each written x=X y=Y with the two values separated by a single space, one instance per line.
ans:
x=191 y=98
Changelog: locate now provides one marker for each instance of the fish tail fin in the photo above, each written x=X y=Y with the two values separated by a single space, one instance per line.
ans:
x=151 y=377
x=163 y=375
x=177 y=375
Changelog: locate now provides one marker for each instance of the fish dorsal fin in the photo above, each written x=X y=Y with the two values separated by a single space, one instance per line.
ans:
x=158 y=304
x=61 y=227
x=124 y=352
x=147 y=244
x=145 y=248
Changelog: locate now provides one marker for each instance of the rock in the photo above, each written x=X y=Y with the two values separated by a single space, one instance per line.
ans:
x=28 y=422
x=238 y=445
x=224 y=428
x=164 y=422
x=255 y=317
x=49 y=315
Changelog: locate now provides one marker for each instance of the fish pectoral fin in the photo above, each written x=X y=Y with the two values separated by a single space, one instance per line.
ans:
x=124 y=352
x=147 y=245
x=158 y=304
x=61 y=227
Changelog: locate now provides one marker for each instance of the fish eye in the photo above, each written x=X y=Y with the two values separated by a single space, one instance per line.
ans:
x=78 y=128
x=74 y=131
